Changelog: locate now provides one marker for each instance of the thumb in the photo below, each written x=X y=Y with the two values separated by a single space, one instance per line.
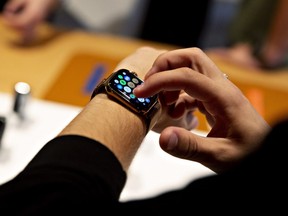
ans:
x=179 y=143
x=184 y=144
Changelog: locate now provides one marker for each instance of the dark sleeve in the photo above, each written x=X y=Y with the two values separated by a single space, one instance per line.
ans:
x=69 y=174
x=73 y=174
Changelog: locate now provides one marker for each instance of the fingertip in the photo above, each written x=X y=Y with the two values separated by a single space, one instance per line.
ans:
x=138 y=89
x=169 y=140
x=172 y=142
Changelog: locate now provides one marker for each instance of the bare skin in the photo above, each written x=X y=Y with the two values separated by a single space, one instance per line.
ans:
x=236 y=127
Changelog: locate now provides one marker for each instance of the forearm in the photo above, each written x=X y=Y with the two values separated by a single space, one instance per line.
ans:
x=116 y=127
x=113 y=125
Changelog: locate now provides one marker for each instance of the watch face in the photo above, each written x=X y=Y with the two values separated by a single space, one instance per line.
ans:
x=123 y=82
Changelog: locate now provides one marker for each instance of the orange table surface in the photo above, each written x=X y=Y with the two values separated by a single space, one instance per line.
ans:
x=59 y=64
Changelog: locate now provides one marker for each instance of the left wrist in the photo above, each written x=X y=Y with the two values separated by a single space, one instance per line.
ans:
x=119 y=87
x=112 y=125
x=117 y=128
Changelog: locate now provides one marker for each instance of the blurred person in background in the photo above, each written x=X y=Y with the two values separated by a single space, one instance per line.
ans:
x=25 y=15
x=144 y=19
x=175 y=23
x=258 y=35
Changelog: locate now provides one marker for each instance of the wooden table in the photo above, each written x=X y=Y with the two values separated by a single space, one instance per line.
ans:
x=61 y=66
x=267 y=90
x=41 y=63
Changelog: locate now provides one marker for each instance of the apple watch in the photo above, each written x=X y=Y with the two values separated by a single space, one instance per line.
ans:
x=119 y=85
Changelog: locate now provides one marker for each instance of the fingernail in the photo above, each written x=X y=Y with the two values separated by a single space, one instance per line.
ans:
x=172 y=142
x=138 y=88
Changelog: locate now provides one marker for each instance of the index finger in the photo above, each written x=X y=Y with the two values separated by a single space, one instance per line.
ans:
x=193 y=58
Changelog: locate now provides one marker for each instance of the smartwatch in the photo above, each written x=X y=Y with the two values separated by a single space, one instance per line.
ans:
x=120 y=85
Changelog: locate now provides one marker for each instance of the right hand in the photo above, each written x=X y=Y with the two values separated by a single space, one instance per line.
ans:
x=236 y=127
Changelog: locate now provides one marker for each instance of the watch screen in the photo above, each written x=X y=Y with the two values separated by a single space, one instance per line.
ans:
x=123 y=82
